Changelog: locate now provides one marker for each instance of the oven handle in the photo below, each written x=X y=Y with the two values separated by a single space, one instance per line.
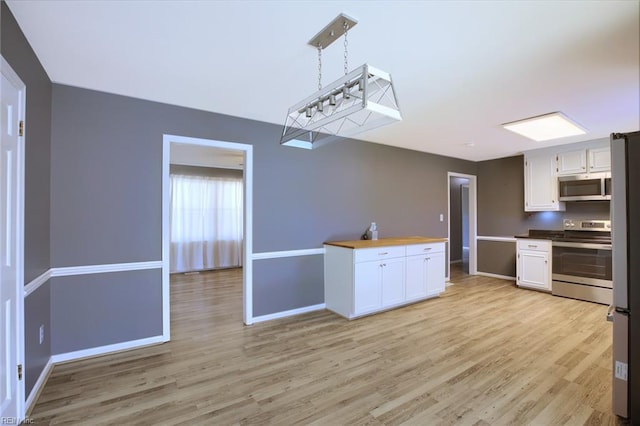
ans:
x=582 y=245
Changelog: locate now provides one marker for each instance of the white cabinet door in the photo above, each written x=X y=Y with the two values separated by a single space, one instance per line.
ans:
x=435 y=273
x=367 y=287
x=600 y=159
x=533 y=270
x=393 y=281
x=416 y=283
x=541 y=184
x=425 y=275
x=572 y=162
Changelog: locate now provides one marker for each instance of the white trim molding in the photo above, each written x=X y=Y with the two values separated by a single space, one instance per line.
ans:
x=104 y=350
x=247 y=265
x=88 y=269
x=37 y=282
x=289 y=313
x=473 y=221
x=106 y=268
x=82 y=354
x=287 y=253
x=504 y=239
x=39 y=385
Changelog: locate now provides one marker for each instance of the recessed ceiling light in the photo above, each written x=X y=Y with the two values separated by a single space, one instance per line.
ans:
x=545 y=127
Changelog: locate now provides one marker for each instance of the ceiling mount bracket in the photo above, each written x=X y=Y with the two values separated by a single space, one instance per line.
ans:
x=333 y=31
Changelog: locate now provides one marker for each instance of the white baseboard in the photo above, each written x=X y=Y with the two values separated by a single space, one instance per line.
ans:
x=103 y=350
x=85 y=353
x=38 y=386
x=289 y=313
x=502 y=277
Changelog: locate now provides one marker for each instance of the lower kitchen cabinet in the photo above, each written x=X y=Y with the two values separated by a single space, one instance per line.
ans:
x=364 y=281
x=424 y=274
x=533 y=266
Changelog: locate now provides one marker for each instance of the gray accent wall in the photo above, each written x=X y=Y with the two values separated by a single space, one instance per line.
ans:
x=501 y=202
x=497 y=257
x=102 y=309
x=37 y=313
x=106 y=189
x=18 y=53
x=286 y=282
x=501 y=211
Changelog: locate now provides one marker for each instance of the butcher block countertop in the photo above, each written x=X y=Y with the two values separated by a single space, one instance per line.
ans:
x=385 y=242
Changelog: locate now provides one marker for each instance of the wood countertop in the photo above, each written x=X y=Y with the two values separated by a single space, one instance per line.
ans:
x=385 y=242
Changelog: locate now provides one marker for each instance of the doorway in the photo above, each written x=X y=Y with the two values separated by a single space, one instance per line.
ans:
x=12 y=246
x=461 y=190
x=213 y=147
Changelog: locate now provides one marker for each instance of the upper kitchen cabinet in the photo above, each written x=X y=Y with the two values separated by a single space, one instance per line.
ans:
x=541 y=183
x=599 y=159
x=585 y=160
x=572 y=162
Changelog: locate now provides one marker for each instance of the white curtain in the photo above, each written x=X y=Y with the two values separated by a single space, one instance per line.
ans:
x=206 y=222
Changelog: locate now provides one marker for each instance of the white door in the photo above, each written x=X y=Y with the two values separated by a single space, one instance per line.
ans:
x=11 y=240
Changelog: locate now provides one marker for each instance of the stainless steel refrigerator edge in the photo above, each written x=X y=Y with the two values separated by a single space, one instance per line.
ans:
x=625 y=212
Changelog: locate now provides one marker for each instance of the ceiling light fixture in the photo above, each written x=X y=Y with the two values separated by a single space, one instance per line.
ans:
x=545 y=127
x=361 y=100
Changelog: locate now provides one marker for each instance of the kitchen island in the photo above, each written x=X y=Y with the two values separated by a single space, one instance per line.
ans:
x=363 y=277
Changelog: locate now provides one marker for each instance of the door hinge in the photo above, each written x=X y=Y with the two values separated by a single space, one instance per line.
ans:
x=19 y=371
x=21 y=128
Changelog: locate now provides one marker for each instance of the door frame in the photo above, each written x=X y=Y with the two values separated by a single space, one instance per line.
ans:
x=247 y=267
x=473 y=222
x=15 y=80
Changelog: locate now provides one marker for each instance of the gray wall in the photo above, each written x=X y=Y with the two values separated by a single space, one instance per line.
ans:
x=501 y=211
x=17 y=52
x=37 y=312
x=102 y=309
x=501 y=202
x=106 y=191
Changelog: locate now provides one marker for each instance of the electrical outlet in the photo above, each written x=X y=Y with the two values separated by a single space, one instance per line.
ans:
x=41 y=333
x=621 y=370
x=441 y=217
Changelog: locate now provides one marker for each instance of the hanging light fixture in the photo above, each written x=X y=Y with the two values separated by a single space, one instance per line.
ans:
x=361 y=100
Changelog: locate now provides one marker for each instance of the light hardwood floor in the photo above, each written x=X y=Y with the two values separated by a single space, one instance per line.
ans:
x=484 y=353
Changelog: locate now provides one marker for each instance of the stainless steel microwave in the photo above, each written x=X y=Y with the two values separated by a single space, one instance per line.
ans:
x=585 y=187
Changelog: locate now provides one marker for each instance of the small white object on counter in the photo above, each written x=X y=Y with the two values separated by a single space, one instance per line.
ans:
x=372 y=233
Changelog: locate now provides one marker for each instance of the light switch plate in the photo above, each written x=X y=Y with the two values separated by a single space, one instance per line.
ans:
x=621 y=370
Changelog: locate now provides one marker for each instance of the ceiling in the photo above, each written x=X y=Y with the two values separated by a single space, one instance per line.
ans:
x=461 y=68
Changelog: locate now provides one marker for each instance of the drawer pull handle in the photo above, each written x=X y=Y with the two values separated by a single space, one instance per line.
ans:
x=533 y=246
x=382 y=254
x=428 y=248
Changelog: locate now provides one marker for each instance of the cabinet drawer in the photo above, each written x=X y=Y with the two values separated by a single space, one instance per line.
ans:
x=364 y=255
x=534 y=245
x=415 y=249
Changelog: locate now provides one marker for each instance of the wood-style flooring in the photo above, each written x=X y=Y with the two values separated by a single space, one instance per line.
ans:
x=484 y=353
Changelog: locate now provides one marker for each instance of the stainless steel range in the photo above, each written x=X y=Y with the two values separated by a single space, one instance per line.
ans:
x=581 y=267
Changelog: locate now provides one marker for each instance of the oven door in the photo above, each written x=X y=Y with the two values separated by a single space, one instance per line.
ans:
x=583 y=263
